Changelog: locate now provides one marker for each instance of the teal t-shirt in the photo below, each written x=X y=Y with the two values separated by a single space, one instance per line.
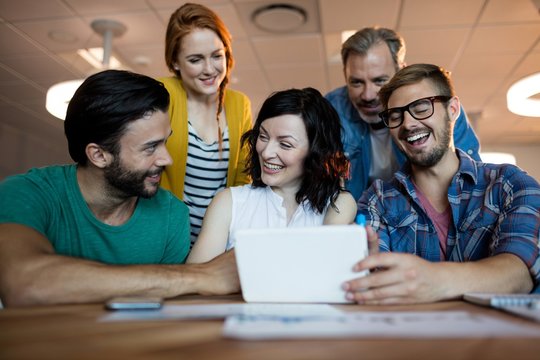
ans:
x=49 y=200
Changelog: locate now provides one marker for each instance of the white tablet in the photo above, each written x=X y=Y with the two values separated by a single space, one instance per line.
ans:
x=299 y=265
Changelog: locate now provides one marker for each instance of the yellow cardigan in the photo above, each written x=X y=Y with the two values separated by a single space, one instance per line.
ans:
x=238 y=114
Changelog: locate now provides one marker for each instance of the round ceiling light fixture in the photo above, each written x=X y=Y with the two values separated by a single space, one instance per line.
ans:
x=279 y=18
x=60 y=94
x=520 y=98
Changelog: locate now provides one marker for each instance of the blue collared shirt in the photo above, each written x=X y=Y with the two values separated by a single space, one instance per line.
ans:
x=357 y=140
x=495 y=210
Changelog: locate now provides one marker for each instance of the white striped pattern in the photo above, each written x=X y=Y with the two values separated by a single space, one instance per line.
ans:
x=206 y=174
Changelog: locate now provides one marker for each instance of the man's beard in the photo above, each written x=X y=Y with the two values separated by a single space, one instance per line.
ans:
x=433 y=158
x=127 y=183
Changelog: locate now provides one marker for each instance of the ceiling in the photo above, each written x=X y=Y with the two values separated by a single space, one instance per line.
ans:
x=487 y=44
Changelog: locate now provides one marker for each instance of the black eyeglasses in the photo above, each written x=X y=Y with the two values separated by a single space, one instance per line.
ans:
x=419 y=109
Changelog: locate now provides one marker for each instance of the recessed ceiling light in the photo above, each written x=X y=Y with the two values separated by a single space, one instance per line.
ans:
x=279 y=18
x=62 y=36
x=142 y=60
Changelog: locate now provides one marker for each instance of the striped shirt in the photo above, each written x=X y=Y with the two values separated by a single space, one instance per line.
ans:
x=206 y=174
x=495 y=209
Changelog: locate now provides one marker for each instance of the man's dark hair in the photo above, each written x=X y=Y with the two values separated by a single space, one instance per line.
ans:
x=105 y=104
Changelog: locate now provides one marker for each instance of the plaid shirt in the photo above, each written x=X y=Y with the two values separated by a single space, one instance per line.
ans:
x=495 y=209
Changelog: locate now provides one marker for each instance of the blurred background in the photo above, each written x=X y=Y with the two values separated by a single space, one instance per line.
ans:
x=486 y=44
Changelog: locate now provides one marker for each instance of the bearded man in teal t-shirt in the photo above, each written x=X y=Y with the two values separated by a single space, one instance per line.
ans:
x=103 y=227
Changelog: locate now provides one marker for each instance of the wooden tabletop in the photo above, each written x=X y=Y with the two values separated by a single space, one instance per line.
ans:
x=73 y=332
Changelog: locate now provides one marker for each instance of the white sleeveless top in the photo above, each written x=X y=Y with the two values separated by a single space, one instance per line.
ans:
x=262 y=208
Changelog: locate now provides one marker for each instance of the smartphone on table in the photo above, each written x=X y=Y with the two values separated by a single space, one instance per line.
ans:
x=134 y=303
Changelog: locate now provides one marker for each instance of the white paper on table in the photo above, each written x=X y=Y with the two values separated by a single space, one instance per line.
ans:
x=531 y=313
x=221 y=311
x=452 y=324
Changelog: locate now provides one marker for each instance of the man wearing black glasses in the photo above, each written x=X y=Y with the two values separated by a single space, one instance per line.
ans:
x=370 y=58
x=445 y=223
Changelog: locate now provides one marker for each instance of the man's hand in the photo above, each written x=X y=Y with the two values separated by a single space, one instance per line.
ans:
x=399 y=279
x=220 y=275
x=395 y=278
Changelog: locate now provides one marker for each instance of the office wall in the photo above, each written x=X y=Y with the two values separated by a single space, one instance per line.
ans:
x=21 y=151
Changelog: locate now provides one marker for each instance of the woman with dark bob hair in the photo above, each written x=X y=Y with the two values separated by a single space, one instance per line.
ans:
x=297 y=166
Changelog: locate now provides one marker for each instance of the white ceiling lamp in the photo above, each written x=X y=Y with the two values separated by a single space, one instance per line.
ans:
x=519 y=98
x=95 y=56
x=59 y=95
x=279 y=18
